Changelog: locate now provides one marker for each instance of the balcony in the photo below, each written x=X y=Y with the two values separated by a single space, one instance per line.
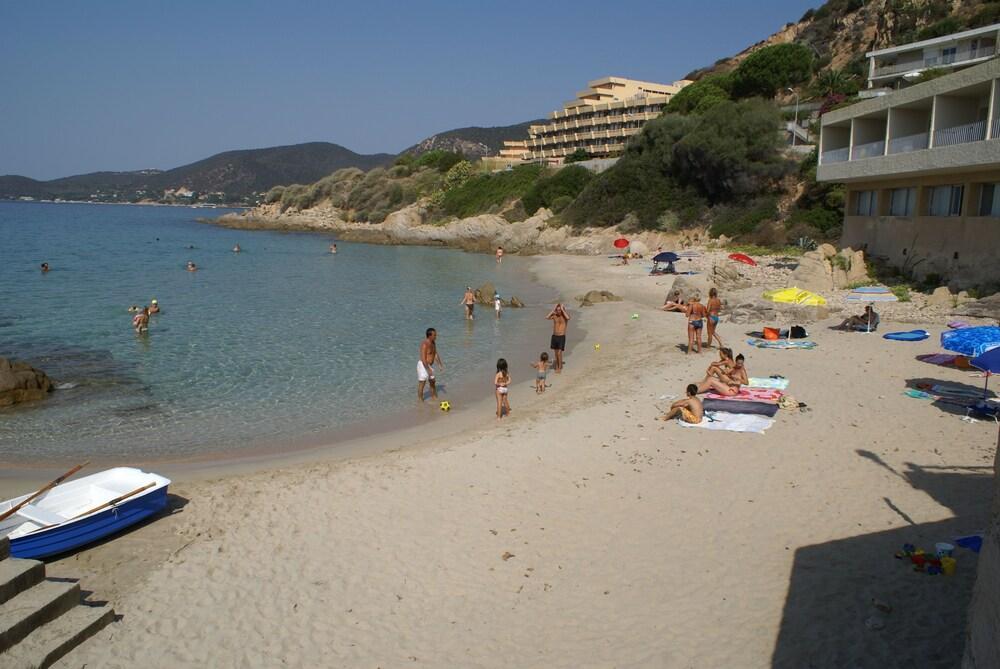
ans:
x=869 y=150
x=836 y=155
x=960 y=134
x=949 y=60
x=909 y=143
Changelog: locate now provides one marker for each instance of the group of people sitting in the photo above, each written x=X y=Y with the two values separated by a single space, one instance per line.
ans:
x=725 y=376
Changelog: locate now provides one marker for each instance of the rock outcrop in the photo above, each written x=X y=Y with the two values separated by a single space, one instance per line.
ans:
x=20 y=382
x=762 y=311
x=691 y=285
x=826 y=268
x=987 y=307
x=596 y=296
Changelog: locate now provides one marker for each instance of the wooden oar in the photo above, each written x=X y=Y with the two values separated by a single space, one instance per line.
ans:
x=42 y=491
x=114 y=501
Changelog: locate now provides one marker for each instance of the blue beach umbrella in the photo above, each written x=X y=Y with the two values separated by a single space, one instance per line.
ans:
x=988 y=362
x=666 y=256
x=971 y=341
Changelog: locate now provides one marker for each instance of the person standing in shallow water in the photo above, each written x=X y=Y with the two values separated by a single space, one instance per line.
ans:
x=469 y=302
x=560 y=319
x=425 y=365
x=499 y=254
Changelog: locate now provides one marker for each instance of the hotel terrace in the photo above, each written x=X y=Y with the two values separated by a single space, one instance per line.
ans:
x=600 y=120
x=922 y=169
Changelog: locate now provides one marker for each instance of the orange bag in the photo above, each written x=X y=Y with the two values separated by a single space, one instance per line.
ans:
x=772 y=334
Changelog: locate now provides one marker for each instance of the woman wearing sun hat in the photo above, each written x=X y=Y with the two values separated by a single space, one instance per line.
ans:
x=154 y=307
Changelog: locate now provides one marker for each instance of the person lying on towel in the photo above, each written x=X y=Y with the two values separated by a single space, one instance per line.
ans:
x=864 y=321
x=688 y=409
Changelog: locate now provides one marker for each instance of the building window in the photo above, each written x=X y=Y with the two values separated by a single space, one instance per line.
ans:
x=902 y=201
x=948 y=55
x=866 y=203
x=946 y=201
x=989 y=200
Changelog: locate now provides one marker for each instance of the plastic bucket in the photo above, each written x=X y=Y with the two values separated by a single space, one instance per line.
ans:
x=943 y=549
x=948 y=566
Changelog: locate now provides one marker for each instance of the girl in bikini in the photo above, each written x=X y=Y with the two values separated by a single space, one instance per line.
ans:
x=696 y=314
x=502 y=381
x=714 y=309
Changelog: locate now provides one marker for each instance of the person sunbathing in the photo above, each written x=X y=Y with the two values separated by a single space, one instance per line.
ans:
x=723 y=365
x=689 y=409
x=674 y=302
x=865 y=320
x=726 y=382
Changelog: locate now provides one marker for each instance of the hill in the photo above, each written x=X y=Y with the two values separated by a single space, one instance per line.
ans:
x=474 y=141
x=232 y=176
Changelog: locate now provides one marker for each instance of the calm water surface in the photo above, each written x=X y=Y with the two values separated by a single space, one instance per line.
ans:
x=280 y=341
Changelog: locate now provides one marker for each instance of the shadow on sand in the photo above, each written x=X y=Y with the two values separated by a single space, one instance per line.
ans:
x=926 y=627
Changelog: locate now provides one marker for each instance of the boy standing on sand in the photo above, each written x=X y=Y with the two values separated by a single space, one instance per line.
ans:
x=689 y=409
x=425 y=365
x=559 y=318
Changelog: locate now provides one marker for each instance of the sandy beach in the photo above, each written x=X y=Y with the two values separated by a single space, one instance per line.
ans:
x=581 y=531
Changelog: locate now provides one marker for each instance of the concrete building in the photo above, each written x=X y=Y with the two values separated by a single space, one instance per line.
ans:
x=922 y=170
x=600 y=120
x=899 y=66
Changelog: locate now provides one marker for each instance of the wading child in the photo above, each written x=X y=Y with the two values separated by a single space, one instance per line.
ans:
x=502 y=381
x=541 y=371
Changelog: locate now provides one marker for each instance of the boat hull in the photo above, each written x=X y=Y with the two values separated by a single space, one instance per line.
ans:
x=71 y=535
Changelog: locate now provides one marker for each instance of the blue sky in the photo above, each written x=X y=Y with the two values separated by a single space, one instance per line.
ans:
x=111 y=85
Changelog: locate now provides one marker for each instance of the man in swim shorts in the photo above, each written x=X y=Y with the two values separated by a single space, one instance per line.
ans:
x=560 y=319
x=689 y=409
x=865 y=320
x=425 y=365
x=469 y=301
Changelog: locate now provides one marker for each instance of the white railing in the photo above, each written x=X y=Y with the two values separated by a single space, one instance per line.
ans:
x=995 y=133
x=960 y=134
x=908 y=143
x=869 y=150
x=835 y=156
x=935 y=61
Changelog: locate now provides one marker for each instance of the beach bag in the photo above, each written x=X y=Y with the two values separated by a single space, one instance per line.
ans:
x=798 y=332
x=772 y=334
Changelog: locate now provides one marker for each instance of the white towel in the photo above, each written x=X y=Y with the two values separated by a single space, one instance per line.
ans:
x=771 y=384
x=732 y=422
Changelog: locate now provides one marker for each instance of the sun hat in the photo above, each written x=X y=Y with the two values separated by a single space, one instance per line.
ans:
x=153 y=301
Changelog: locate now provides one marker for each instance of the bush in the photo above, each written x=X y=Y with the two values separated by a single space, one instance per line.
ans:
x=771 y=69
x=986 y=15
x=560 y=203
x=567 y=182
x=701 y=95
x=578 y=156
x=943 y=27
x=457 y=175
x=439 y=159
x=274 y=195
x=901 y=291
x=740 y=219
x=487 y=191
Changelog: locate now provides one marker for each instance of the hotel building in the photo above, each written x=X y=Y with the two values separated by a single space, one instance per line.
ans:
x=600 y=120
x=922 y=170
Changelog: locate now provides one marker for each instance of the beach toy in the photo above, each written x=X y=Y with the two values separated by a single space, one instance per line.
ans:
x=911 y=335
x=635 y=317
x=974 y=542
x=948 y=565
x=934 y=570
x=445 y=406
x=597 y=347
x=943 y=549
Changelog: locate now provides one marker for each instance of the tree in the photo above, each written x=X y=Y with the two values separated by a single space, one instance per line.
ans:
x=771 y=69
x=701 y=95
x=577 y=156
x=832 y=82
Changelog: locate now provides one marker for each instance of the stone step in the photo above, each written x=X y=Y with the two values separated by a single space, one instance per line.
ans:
x=18 y=575
x=34 y=607
x=4 y=548
x=51 y=641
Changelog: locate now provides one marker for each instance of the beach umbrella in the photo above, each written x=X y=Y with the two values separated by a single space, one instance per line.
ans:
x=796 y=296
x=971 y=342
x=666 y=256
x=621 y=243
x=870 y=295
x=743 y=258
x=988 y=362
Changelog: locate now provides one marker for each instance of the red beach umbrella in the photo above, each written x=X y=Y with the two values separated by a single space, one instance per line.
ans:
x=621 y=243
x=743 y=258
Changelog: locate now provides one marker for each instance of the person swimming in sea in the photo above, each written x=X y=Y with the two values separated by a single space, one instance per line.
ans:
x=154 y=306
x=191 y=267
x=237 y=249
x=45 y=267
x=333 y=249
x=689 y=409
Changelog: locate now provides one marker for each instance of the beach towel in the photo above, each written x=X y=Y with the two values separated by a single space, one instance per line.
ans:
x=944 y=359
x=958 y=325
x=768 y=395
x=768 y=409
x=773 y=384
x=732 y=422
x=912 y=335
x=782 y=344
x=956 y=391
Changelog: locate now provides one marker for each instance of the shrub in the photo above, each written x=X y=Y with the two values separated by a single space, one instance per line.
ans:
x=274 y=195
x=567 y=182
x=901 y=291
x=739 y=219
x=560 y=203
x=486 y=191
x=771 y=69
x=943 y=27
x=578 y=156
x=701 y=95
x=457 y=175
x=986 y=15
x=439 y=159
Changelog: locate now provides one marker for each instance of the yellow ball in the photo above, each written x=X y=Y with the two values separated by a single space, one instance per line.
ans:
x=445 y=406
x=597 y=347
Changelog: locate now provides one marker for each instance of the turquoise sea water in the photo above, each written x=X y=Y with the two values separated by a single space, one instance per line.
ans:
x=280 y=341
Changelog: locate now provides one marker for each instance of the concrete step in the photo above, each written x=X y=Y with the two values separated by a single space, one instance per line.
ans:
x=18 y=575
x=34 y=607
x=4 y=548
x=47 y=644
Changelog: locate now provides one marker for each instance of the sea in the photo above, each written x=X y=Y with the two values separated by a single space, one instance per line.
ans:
x=282 y=343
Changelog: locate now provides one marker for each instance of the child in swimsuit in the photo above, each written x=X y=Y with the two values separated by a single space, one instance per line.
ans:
x=502 y=381
x=689 y=409
x=541 y=371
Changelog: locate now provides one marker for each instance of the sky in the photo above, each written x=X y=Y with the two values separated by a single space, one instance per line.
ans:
x=110 y=85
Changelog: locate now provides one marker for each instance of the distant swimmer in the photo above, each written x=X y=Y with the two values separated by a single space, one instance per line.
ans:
x=333 y=248
x=154 y=307
x=141 y=321
x=45 y=267
x=191 y=267
x=134 y=308
x=499 y=254
x=236 y=249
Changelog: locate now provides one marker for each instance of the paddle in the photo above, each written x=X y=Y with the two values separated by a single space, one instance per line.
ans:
x=114 y=501
x=14 y=509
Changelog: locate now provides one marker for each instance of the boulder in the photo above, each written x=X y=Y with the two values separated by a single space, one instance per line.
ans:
x=813 y=273
x=485 y=293
x=692 y=284
x=516 y=303
x=635 y=246
x=595 y=296
x=987 y=307
x=941 y=297
x=779 y=315
x=826 y=251
x=857 y=269
x=726 y=275
x=20 y=382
